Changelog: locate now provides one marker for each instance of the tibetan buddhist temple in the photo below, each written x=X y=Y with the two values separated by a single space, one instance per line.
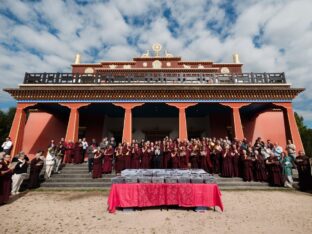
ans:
x=153 y=96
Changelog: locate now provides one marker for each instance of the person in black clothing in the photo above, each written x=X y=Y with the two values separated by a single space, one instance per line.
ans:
x=20 y=171
x=304 y=169
x=157 y=157
x=36 y=166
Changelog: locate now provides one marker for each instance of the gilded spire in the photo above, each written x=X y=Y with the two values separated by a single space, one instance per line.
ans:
x=77 y=59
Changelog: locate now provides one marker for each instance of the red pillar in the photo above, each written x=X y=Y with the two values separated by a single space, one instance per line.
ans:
x=182 y=118
x=127 y=128
x=293 y=128
x=73 y=121
x=18 y=126
x=237 y=123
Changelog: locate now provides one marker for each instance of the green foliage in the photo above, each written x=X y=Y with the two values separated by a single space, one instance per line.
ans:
x=306 y=135
x=6 y=119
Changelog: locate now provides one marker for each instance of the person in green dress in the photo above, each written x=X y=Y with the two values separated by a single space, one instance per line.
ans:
x=287 y=164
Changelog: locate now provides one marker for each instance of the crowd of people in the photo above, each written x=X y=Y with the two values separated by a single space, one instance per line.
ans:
x=261 y=161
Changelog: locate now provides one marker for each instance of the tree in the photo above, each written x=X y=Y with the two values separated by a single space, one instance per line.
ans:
x=6 y=119
x=306 y=135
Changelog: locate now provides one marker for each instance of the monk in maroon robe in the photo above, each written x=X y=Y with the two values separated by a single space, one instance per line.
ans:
x=136 y=157
x=126 y=153
x=97 y=164
x=247 y=167
x=119 y=160
x=145 y=163
x=174 y=158
x=108 y=158
x=69 y=152
x=77 y=152
x=183 y=162
x=209 y=161
x=166 y=155
x=5 y=180
x=202 y=162
x=36 y=165
x=227 y=163
x=260 y=173
x=275 y=177
x=235 y=160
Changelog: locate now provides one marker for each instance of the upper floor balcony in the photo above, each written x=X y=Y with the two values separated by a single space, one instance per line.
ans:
x=155 y=78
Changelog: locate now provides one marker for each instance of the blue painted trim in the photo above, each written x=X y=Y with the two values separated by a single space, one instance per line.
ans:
x=156 y=101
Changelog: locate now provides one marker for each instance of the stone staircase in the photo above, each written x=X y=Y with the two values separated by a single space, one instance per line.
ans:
x=76 y=177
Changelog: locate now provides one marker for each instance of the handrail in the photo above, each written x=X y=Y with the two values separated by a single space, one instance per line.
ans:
x=155 y=78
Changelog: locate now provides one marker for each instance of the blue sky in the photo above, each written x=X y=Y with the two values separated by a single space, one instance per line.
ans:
x=269 y=35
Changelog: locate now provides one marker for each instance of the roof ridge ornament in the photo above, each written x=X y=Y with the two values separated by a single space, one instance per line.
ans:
x=168 y=55
x=77 y=58
x=145 y=55
x=156 y=48
x=236 y=58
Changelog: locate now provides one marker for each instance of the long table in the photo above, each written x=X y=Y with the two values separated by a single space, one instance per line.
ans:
x=150 y=194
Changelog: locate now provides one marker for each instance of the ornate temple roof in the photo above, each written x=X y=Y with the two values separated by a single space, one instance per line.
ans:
x=153 y=78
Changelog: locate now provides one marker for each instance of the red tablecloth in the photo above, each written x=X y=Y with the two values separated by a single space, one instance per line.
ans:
x=144 y=195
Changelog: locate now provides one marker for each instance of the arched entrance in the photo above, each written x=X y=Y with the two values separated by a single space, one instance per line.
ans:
x=265 y=120
x=45 y=122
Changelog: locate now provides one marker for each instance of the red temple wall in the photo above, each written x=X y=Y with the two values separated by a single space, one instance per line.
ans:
x=267 y=125
x=40 y=128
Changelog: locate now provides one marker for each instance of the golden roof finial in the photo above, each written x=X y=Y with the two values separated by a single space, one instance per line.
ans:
x=236 y=58
x=77 y=59
x=157 y=48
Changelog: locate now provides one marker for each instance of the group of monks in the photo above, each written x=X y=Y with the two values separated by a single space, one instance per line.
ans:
x=8 y=168
x=262 y=161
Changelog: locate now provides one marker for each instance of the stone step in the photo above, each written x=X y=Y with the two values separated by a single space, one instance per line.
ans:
x=76 y=184
x=252 y=184
x=75 y=171
x=89 y=179
x=251 y=188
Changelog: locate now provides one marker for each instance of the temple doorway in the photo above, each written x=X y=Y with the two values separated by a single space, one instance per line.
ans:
x=155 y=121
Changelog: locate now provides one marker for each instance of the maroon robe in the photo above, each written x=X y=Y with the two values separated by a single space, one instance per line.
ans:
x=69 y=152
x=227 y=165
x=275 y=172
x=119 y=161
x=202 y=162
x=183 y=163
x=5 y=183
x=108 y=158
x=235 y=163
x=166 y=157
x=126 y=153
x=97 y=165
x=136 y=156
x=145 y=163
x=174 y=160
x=260 y=171
x=247 y=169
x=77 y=153
x=36 y=166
